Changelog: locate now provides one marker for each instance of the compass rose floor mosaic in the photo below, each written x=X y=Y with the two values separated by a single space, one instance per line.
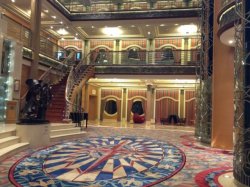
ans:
x=100 y=161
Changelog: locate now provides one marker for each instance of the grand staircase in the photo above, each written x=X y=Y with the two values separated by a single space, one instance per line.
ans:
x=55 y=112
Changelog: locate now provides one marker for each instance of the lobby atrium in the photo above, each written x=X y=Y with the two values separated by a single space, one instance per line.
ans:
x=124 y=93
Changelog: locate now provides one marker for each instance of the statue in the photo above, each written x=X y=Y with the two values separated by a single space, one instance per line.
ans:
x=36 y=101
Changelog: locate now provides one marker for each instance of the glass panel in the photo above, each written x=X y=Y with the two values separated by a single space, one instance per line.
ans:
x=5 y=79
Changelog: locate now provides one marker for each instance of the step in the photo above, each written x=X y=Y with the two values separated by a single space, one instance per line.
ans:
x=61 y=126
x=67 y=136
x=5 y=142
x=64 y=131
x=5 y=134
x=12 y=150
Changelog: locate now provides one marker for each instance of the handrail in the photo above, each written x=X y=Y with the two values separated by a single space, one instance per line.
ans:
x=45 y=76
x=159 y=57
x=75 y=75
x=119 y=6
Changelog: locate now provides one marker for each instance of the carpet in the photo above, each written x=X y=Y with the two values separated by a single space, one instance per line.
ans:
x=99 y=161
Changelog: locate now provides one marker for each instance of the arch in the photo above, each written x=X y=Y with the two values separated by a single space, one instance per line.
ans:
x=110 y=107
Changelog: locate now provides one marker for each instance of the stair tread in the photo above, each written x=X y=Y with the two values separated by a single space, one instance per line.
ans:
x=62 y=135
x=67 y=129
x=2 y=140
x=12 y=147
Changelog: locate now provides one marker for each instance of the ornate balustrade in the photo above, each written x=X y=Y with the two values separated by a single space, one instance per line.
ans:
x=227 y=15
x=48 y=49
x=75 y=6
x=138 y=58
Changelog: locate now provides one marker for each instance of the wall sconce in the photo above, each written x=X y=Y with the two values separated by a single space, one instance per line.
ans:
x=16 y=85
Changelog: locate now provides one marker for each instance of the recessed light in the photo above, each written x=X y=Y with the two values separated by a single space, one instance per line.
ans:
x=62 y=38
x=176 y=24
x=92 y=27
x=76 y=38
x=149 y=33
x=51 y=27
x=13 y=1
x=112 y=31
x=147 y=25
x=76 y=34
x=119 y=26
x=230 y=41
x=47 y=11
x=67 y=27
x=61 y=22
x=54 y=17
x=162 y=25
x=132 y=25
x=62 y=31
x=187 y=29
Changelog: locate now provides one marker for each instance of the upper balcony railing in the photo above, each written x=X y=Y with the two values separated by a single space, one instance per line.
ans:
x=141 y=58
x=227 y=15
x=76 y=6
x=22 y=34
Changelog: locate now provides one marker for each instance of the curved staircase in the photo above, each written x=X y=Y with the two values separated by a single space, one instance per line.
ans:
x=56 y=110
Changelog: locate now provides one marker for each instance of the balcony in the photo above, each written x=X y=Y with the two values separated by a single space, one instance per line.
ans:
x=226 y=19
x=125 y=9
x=173 y=62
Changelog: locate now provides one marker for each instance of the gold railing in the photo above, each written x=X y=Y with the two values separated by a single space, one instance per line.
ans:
x=126 y=5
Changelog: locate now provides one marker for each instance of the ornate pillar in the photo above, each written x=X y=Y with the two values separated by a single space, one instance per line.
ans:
x=241 y=95
x=117 y=54
x=150 y=55
x=204 y=91
x=149 y=103
x=36 y=6
x=124 y=104
x=87 y=50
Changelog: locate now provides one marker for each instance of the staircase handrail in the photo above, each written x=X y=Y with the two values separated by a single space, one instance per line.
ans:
x=74 y=76
x=61 y=66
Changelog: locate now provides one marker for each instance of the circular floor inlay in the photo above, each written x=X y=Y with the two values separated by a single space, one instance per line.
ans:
x=101 y=161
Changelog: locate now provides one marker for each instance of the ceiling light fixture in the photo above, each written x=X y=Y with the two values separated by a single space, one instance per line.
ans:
x=54 y=17
x=231 y=41
x=61 y=22
x=51 y=27
x=47 y=11
x=187 y=29
x=112 y=31
x=132 y=25
x=13 y=1
x=62 y=32
x=162 y=25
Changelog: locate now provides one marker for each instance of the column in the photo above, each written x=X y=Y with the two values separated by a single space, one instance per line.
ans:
x=150 y=56
x=184 y=51
x=242 y=97
x=87 y=50
x=222 y=90
x=124 y=104
x=117 y=54
x=149 y=107
x=152 y=105
x=182 y=104
x=36 y=6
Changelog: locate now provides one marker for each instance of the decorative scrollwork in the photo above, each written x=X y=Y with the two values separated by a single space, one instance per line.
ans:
x=204 y=90
x=242 y=94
